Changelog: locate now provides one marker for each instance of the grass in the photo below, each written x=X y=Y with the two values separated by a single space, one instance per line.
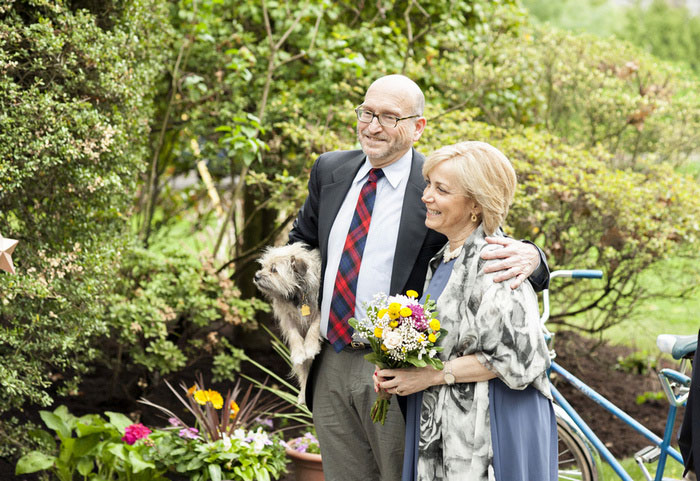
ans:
x=666 y=314
x=673 y=469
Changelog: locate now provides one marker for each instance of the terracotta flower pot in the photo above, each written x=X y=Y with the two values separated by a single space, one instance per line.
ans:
x=307 y=467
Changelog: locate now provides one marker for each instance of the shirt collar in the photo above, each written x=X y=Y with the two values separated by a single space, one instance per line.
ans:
x=394 y=172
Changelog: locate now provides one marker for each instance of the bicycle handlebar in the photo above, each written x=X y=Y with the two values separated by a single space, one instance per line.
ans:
x=574 y=274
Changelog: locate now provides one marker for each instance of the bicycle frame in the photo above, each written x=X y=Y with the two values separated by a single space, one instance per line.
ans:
x=663 y=444
x=666 y=375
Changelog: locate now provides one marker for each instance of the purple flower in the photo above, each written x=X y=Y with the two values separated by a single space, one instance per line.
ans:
x=267 y=422
x=189 y=433
x=135 y=432
x=174 y=422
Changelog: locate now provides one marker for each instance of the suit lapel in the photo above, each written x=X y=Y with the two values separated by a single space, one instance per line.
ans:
x=332 y=196
x=412 y=230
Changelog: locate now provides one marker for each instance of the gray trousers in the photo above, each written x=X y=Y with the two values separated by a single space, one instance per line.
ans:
x=353 y=448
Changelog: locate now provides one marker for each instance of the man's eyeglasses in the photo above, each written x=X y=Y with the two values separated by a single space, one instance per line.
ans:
x=385 y=120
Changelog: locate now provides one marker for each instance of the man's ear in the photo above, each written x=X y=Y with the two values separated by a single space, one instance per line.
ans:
x=420 y=127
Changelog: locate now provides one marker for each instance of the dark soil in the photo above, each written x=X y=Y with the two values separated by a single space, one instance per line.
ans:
x=595 y=363
x=598 y=366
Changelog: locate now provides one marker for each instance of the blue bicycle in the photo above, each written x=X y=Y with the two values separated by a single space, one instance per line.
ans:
x=580 y=450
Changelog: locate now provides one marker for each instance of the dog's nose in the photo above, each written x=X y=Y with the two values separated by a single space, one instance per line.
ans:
x=257 y=276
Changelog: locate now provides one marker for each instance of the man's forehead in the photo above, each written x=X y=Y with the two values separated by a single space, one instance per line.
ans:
x=387 y=100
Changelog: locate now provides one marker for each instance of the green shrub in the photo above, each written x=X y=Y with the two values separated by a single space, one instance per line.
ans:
x=76 y=88
x=586 y=214
x=167 y=311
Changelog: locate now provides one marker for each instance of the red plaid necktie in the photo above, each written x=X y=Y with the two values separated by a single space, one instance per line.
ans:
x=343 y=301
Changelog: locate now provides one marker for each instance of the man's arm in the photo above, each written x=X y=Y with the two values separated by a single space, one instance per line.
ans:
x=520 y=260
x=305 y=228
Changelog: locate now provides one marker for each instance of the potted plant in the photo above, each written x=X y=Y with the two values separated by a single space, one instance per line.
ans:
x=305 y=453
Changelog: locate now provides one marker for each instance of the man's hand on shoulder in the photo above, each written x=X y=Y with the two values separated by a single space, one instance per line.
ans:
x=519 y=260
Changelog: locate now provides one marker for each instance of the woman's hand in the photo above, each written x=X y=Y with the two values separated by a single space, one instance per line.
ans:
x=406 y=381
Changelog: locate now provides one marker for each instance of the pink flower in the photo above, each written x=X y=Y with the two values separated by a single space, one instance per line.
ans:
x=135 y=432
x=418 y=317
x=188 y=433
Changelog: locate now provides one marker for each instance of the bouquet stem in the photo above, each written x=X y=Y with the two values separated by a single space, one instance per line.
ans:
x=380 y=407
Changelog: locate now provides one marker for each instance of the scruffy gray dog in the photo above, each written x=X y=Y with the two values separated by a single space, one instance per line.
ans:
x=290 y=277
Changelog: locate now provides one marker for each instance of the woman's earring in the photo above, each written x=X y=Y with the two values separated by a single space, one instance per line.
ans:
x=474 y=218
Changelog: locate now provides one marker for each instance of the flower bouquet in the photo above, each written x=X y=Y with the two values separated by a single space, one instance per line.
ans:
x=402 y=333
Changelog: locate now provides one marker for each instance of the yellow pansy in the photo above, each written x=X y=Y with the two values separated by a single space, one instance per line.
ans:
x=382 y=313
x=393 y=323
x=435 y=325
x=431 y=337
x=405 y=312
x=412 y=294
x=378 y=332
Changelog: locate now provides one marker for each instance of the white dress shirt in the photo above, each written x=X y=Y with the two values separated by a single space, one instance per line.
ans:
x=378 y=257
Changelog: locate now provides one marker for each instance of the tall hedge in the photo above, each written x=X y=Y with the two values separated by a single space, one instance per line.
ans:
x=76 y=89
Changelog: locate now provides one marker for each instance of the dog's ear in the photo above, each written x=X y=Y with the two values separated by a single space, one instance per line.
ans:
x=298 y=266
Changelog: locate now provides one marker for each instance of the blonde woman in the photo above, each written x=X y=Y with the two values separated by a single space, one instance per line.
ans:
x=487 y=416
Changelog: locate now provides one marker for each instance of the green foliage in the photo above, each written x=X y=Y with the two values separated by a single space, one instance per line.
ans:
x=586 y=214
x=167 y=310
x=91 y=447
x=75 y=96
x=639 y=362
x=669 y=32
x=94 y=448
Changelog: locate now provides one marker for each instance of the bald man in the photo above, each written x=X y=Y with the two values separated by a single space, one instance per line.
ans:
x=395 y=258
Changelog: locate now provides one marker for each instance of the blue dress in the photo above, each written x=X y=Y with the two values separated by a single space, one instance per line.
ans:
x=514 y=415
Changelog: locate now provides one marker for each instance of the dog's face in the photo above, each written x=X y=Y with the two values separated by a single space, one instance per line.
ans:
x=283 y=273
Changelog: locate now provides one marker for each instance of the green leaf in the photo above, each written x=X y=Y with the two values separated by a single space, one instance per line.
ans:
x=85 y=444
x=33 y=462
x=215 y=472
x=138 y=463
x=118 y=420
x=85 y=466
x=55 y=422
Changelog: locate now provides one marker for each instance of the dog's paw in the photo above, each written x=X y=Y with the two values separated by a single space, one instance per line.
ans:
x=301 y=399
x=312 y=349
x=298 y=358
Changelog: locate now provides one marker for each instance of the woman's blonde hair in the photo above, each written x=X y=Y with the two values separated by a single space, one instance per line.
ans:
x=484 y=175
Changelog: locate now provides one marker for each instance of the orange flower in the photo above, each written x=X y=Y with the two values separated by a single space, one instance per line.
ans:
x=234 y=409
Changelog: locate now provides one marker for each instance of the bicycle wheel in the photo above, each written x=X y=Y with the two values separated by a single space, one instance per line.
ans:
x=575 y=460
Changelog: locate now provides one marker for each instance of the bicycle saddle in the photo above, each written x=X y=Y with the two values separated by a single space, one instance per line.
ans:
x=677 y=346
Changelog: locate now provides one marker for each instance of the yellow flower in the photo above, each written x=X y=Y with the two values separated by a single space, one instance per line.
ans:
x=234 y=409
x=421 y=338
x=192 y=390
x=393 y=315
x=202 y=397
x=405 y=312
x=394 y=307
x=434 y=325
x=431 y=337
x=412 y=294
x=384 y=348
x=378 y=332
x=382 y=313
x=393 y=323
x=216 y=400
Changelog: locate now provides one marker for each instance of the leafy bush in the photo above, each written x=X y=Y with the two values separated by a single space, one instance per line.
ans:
x=586 y=214
x=75 y=96
x=167 y=311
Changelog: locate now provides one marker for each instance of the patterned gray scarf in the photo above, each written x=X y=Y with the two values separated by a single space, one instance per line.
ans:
x=501 y=327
